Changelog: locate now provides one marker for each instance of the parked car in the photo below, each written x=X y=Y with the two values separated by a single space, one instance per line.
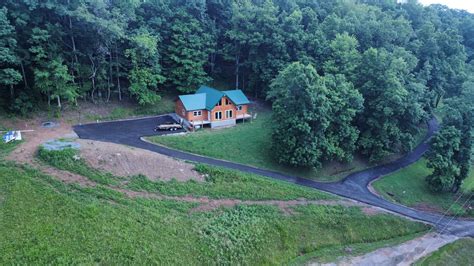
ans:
x=171 y=126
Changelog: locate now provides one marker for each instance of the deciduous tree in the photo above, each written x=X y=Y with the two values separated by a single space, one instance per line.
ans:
x=313 y=116
x=9 y=75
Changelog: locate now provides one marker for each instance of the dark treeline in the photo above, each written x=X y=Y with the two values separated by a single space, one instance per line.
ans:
x=378 y=68
x=64 y=50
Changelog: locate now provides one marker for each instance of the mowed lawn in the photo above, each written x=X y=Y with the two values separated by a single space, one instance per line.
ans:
x=250 y=144
x=44 y=221
x=408 y=187
x=457 y=253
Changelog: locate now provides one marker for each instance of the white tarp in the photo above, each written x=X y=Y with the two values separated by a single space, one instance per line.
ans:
x=11 y=136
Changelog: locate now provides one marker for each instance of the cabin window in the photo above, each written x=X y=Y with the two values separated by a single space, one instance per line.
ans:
x=228 y=114
x=239 y=107
x=197 y=113
x=219 y=103
x=227 y=102
x=218 y=115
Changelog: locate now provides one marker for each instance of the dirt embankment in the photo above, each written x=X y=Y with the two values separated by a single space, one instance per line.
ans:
x=116 y=159
x=126 y=161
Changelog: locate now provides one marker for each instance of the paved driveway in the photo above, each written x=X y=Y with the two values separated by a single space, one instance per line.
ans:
x=125 y=130
x=354 y=186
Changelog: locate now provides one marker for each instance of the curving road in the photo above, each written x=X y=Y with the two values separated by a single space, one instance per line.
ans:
x=354 y=186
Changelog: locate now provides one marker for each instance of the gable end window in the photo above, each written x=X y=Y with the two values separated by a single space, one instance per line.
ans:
x=197 y=113
x=227 y=102
x=219 y=103
x=218 y=115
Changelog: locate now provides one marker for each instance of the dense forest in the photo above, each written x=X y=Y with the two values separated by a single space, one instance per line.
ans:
x=343 y=76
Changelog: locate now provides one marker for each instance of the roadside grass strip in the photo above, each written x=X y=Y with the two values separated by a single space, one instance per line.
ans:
x=408 y=187
x=457 y=253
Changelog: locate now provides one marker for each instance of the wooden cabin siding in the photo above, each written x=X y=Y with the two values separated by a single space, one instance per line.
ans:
x=222 y=108
x=191 y=117
x=243 y=111
x=180 y=110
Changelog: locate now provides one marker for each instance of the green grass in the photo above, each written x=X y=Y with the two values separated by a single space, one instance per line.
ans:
x=223 y=183
x=43 y=221
x=333 y=253
x=250 y=144
x=457 y=253
x=468 y=185
x=220 y=183
x=408 y=187
x=165 y=106
x=6 y=148
x=69 y=160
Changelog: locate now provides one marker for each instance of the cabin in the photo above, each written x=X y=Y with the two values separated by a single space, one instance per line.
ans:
x=212 y=107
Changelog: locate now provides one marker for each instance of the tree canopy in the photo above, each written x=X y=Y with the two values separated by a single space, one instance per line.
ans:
x=343 y=76
x=313 y=116
x=140 y=49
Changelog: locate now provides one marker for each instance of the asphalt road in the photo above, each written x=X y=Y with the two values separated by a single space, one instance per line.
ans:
x=354 y=186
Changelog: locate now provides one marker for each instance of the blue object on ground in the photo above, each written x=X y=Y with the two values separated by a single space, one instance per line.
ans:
x=9 y=136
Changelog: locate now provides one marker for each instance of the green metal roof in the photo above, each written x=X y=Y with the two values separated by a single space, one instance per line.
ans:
x=212 y=96
x=193 y=102
x=237 y=97
x=207 y=97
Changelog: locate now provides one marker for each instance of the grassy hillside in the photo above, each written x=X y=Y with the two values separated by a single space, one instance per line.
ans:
x=6 y=148
x=457 y=253
x=408 y=187
x=220 y=183
x=250 y=144
x=44 y=221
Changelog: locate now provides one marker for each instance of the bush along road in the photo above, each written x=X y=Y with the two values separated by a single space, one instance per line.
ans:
x=354 y=186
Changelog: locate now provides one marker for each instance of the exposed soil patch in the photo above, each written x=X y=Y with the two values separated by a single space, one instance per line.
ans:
x=26 y=151
x=126 y=161
x=65 y=176
x=285 y=206
x=206 y=204
x=117 y=159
